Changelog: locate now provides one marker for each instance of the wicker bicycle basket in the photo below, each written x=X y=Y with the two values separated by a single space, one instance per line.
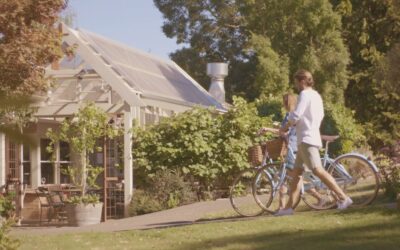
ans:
x=255 y=155
x=276 y=148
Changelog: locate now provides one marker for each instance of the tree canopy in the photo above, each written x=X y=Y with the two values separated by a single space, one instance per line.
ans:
x=343 y=42
x=266 y=41
x=28 y=43
x=372 y=30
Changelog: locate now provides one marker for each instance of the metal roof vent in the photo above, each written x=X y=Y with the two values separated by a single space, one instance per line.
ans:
x=217 y=72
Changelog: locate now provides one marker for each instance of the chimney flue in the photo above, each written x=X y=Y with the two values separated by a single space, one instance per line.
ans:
x=217 y=72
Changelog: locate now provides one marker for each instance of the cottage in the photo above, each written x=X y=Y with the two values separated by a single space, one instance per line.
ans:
x=130 y=85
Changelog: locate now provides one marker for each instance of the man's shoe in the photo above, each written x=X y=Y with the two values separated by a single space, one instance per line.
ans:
x=341 y=205
x=284 y=212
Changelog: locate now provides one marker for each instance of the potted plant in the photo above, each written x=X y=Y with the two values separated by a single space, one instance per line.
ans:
x=82 y=132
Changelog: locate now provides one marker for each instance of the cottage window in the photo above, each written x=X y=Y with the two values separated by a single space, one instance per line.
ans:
x=65 y=162
x=46 y=163
x=26 y=163
x=62 y=160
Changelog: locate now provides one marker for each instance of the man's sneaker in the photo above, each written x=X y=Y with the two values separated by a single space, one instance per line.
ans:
x=283 y=212
x=341 y=205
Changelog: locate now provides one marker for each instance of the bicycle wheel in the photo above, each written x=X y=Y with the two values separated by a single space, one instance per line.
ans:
x=316 y=194
x=357 y=177
x=241 y=195
x=267 y=194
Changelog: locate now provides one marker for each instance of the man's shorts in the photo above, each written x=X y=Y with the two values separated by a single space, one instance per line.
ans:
x=308 y=155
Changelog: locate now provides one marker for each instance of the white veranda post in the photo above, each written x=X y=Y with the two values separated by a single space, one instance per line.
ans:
x=128 y=164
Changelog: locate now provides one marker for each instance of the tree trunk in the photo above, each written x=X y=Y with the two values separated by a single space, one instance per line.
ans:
x=84 y=166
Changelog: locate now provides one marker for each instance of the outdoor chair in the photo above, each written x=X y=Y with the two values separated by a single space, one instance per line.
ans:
x=53 y=202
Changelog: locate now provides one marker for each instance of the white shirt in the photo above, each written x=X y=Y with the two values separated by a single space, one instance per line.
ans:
x=308 y=117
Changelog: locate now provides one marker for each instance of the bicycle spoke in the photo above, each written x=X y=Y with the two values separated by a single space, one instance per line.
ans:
x=357 y=178
x=241 y=195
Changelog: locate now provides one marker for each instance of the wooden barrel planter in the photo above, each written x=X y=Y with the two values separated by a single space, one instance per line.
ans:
x=84 y=214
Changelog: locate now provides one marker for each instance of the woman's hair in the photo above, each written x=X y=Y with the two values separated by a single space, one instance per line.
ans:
x=303 y=74
x=290 y=101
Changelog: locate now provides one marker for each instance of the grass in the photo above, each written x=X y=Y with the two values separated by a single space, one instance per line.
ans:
x=367 y=228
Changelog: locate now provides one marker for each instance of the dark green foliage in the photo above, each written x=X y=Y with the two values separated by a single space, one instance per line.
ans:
x=163 y=190
x=288 y=35
x=271 y=106
x=371 y=29
x=170 y=189
x=385 y=123
x=339 y=120
x=143 y=203
x=263 y=41
x=7 y=206
x=390 y=172
x=7 y=213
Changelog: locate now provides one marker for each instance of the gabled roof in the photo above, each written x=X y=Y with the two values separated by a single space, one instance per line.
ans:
x=138 y=77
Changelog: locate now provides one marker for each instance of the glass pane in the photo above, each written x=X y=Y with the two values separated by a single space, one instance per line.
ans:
x=26 y=152
x=64 y=151
x=44 y=155
x=47 y=173
x=27 y=173
x=64 y=178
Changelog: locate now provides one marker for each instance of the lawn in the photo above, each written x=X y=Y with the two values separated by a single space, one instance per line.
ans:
x=367 y=228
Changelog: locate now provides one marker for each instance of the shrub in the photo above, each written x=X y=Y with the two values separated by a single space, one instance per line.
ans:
x=199 y=143
x=7 y=212
x=170 y=189
x=7 y=206
x=389 y=165
x=340 y=120
x=143 y=203
x=390 y=172
x=163 y=190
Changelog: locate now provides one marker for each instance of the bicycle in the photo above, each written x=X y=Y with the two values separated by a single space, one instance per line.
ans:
x=355 y=174
x=241 y=192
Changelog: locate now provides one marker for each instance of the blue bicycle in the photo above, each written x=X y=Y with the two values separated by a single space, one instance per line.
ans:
x=355 y=174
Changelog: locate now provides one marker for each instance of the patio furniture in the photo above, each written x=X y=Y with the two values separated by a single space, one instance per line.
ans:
x=52 y=200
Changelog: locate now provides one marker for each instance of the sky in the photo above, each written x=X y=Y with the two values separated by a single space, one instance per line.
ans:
x=137 y=23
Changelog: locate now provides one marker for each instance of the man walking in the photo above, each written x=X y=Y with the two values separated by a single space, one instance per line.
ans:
x=307 y=118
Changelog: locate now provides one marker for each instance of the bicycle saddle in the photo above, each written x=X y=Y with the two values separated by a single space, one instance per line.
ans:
x=329 y=138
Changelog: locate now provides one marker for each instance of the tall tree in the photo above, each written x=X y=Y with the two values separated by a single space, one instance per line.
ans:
x=304 y=34
x=386 y=86
x=266 y=41
x=28 y=42
x=370 y=29
x=214 y=30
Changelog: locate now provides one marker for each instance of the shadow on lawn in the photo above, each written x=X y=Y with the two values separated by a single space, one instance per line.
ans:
x=374 y=236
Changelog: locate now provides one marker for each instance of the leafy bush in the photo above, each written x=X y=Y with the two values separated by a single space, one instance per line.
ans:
x=163 y=190
x=340 y=120
x=390 y=171
x=271 y=106
x=143 y=203
x=389 y=165
x=199 y=143
x=170 y=189
x=7 y=206
x=82 y=133
x=7 y=212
